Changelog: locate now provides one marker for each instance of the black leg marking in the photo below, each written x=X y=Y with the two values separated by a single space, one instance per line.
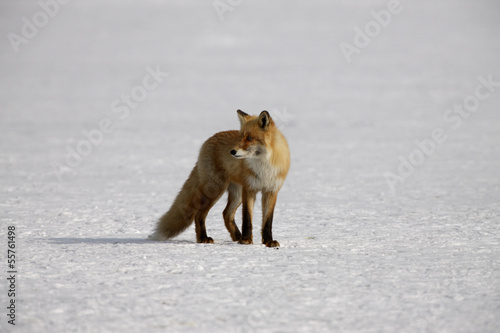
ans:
x=246 y=227
x=267 y=231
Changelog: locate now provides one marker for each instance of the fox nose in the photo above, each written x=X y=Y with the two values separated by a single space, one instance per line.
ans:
x=233 y=152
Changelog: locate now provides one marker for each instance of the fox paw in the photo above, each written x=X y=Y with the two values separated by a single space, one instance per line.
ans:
x=272 y=243
x=246 y=241
x=208 y=240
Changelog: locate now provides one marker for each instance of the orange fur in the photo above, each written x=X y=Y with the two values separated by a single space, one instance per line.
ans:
x=244 y=162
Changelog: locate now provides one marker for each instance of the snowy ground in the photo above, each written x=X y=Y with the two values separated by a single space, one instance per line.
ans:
x=358 y=254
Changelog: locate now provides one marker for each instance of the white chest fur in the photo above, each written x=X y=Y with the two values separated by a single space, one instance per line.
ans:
x=266 y=175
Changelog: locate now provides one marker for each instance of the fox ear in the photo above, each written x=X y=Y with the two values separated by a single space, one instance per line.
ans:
x=242 y=116
x=264 y=120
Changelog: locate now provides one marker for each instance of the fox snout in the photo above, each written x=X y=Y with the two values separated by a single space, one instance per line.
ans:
x=249 y=152
x=240 y=153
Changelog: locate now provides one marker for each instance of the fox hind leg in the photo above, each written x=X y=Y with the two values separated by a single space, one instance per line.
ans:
x=199 y=220
x=205 y=202
x=234 y=199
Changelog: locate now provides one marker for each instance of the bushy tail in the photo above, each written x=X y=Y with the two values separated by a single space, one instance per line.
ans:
x=180 y=216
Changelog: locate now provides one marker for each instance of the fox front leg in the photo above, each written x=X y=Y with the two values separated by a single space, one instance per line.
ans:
x=246 y=227
x=268 y=204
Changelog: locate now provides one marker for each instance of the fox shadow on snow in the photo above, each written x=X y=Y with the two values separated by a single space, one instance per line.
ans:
x=74 y=240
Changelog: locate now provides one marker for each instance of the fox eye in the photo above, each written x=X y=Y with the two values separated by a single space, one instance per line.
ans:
x=249 y=138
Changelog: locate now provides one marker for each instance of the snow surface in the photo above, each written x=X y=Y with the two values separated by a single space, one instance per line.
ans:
x=357 y=255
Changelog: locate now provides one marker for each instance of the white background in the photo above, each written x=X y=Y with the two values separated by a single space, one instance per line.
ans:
x=357 y=255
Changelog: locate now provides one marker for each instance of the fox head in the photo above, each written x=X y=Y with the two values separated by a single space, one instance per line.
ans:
x=255 y=135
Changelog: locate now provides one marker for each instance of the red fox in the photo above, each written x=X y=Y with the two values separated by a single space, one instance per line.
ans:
x=255 y=158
